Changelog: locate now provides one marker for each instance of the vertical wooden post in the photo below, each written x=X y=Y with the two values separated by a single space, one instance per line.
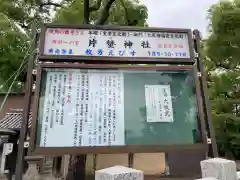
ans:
x=130 y=160
x=27 y=104
x=95 y=163
x=204 y=92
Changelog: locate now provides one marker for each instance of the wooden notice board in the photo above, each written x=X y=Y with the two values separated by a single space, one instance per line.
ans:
x=112 y=109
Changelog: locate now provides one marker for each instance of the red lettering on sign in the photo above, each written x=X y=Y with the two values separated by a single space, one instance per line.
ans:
x=72 y=32
x=67 y=32
x=56 y=31
x=50 y=31
x=77 y=32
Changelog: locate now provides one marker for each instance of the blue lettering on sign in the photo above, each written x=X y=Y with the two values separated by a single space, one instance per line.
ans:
x=121 y=53
x=100 y=52
x=50 y=50
x=149 y=53
x=168 y=54
x=70 y=51
x=88 y=52
x=181 y=54
x=64 y=51
x=132 y=53
x=153 y=53
x=111 y=53
x=57 y=51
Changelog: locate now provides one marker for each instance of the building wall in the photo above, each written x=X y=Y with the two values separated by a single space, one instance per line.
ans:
x=149 y=163
x=153 y=163
x=14 y=101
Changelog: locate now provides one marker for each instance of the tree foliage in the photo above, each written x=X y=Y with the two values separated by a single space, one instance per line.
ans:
x=222 y=61
x=121 y=12
x=13 y=45
x=16 y=17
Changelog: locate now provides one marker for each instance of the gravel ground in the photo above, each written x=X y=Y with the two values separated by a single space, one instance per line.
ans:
x=147 y=178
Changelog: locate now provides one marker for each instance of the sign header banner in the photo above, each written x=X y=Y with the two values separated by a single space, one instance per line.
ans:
x=73 y=42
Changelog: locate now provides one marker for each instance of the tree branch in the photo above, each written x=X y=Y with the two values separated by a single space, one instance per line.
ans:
x=132 y=23
x=222 y=66
x=86 y=12
x=49 y=3
x=126 y=11
x=128 y=21
x=104 y=13
x=96 y=6
x=23 y=25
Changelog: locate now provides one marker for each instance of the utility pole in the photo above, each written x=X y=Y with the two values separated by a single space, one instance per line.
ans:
x=27 y=104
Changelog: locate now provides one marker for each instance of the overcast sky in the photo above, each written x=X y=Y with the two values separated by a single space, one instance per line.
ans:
x=179 y=13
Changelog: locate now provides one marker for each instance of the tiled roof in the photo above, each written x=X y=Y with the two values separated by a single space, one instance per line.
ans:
x=13 y=120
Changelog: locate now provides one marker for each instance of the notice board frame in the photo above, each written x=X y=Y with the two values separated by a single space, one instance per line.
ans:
x=106 y=59
x=202 y=146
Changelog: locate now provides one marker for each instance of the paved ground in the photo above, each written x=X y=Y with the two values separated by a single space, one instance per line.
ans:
x=92 y=178
x=146 y=178
x=238 y=164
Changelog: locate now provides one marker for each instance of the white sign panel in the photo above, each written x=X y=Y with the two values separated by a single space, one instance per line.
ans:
x=109 y=43
x=83 y=109
x=158 y=103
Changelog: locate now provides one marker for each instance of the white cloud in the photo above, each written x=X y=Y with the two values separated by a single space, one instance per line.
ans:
x=178 y=13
